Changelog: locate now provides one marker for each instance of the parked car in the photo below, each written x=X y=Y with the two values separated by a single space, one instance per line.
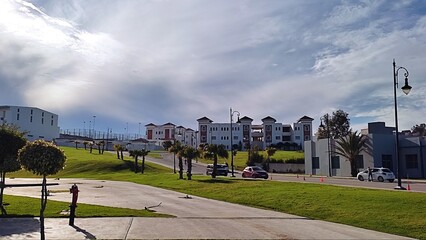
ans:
x=221 y=170
x=254 y=172
x=379 y=174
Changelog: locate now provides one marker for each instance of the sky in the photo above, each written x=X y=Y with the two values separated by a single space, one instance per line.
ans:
x=135 y=62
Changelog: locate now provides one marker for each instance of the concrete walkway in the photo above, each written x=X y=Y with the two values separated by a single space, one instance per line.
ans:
x=196 y=217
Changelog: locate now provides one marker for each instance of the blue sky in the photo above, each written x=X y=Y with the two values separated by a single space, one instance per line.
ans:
x=138 y=61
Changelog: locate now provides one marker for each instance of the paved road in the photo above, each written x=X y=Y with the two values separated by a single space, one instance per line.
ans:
x=200 y=168
x=196 y=217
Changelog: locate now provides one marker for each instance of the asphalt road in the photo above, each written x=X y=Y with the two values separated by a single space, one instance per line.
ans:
x=200 y=168
x=196 y=217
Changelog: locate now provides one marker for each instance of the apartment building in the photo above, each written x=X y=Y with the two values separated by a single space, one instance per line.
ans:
x=244 y=132
x=35 y=122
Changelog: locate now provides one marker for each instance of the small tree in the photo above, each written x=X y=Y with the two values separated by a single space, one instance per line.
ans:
x=91 y=146
x=143 y=154
x=350 y=147
x=190 y=153
x=270 y=151
x=213 y=151
x=85 y=144
x=177 y=149
x=42 y=158
x=76 y=144
x=11 y=140
x=254 y=157
x=135 y=154
x=167 y=144
x=118 y=148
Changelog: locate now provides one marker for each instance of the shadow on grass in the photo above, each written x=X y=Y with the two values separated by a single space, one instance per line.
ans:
x=216 y=180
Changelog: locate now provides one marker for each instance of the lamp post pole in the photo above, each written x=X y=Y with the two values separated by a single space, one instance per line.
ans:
x=406 y=89
x=327 y=122
x=231 y=114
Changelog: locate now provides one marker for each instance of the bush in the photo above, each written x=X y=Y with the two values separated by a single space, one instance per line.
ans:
x=295 y=160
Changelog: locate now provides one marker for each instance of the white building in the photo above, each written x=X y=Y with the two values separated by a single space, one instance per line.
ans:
x=36 y=123
x=244 y=132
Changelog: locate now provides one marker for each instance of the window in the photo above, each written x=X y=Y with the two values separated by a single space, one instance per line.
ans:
x=268 y=127
x=31 y=119
x=235 y=137
x=359 y=161
x=51 y=122
x=42 y=114
x=246 y=127
x=277 y=138
x=203 y=139
x=31 y=111
x=411 y=161
x=213 y=137
x=286 y=129
x=307 y=138
x=297 y=137
x=286 y=138
x=387 y=161
x=17 y=117
x=335 y=162
x=315 y=163
x=40 y=136
x=203 y=128
x=307 y=128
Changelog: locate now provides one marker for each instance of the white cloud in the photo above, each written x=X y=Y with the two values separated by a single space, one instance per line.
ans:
x=169 y=61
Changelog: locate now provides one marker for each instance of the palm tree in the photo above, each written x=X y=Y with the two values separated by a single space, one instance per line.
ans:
x=350 y=147
x=177 y=149
x=270 y=151
x=135 y=154
x=190 y=153
x=85 y=144
x=118 y=148
x=213 y=151
x=143 y=153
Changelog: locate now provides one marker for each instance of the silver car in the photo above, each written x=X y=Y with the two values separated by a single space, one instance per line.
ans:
x=379 y=174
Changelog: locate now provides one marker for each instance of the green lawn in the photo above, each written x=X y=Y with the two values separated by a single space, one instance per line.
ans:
x=395 y=212
x=241 y=158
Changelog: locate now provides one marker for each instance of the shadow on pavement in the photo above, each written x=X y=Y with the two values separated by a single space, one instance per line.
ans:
x=11 y=226
x=86 y=233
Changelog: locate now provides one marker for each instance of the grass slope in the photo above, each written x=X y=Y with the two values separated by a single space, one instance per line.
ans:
x=395 y=212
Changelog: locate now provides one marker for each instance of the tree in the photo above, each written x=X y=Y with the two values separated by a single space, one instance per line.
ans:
x=419 y=130
x=85 y=144
x=91 y=146
x=213 y=151
x=190 y=153
x=11 y=140
x=143 y=154
x=42 y=158
x=76 y=144
x=254 y=156
x=336 y=126
x=167 y=144
x=270 y=151
x=135 y=154
x=119 y=149
x=177 y=149
x=350 y=147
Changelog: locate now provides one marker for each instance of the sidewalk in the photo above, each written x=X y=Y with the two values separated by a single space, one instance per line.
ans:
x=196 y=217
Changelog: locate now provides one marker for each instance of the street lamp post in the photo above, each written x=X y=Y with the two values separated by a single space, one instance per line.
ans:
x=406 y=89
x=231 y=114
x=327 y=122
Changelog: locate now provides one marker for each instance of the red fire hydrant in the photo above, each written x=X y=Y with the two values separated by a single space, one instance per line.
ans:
x=74 y=190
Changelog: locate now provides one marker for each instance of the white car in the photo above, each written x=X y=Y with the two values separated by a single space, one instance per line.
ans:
x=379 y=174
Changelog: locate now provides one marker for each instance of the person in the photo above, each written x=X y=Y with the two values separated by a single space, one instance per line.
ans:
x=370 y=174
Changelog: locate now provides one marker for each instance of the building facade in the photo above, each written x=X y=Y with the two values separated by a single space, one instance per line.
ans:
x=244 y=133
x=379 y=152
x=36 y=123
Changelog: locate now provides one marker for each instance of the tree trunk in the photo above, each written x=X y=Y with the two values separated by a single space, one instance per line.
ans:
x=118 y=154
x=180 y=168
x=214 y=173
x=43 y=207
x=3 y=178
x=354 y=171
x=136 y=164
x=99 y=149
x=143 y=164
x=189 y=173
x=121 y=152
